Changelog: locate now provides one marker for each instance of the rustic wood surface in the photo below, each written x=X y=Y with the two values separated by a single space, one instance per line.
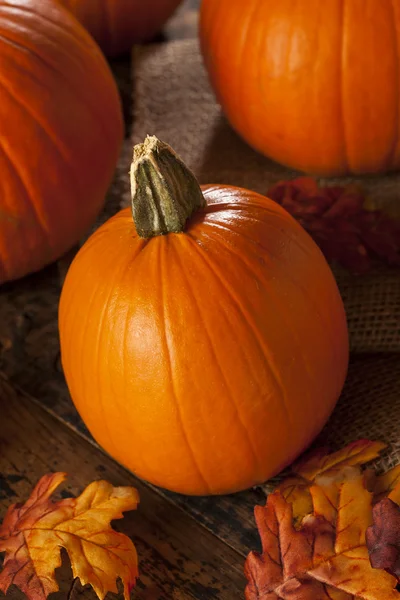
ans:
x=190 y=548
x=178 y=557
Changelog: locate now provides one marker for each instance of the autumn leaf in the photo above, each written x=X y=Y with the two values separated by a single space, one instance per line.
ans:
x=387 y=485
x=337 y=219
x=32 y=535
x=383 y=537
x=325 y=469
x=320 y=560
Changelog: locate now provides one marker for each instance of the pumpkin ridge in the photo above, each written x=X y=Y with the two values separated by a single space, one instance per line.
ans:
x=54 y=141
x=99 y=348
x=295 y=283
x=243 y=66
x=219 y=277
x=252 y=241
x=346 y=157
x=277 y=310
x=273 y=371
x=175 y=396
x=101 y=122
x=65 y=29
x=38 y=217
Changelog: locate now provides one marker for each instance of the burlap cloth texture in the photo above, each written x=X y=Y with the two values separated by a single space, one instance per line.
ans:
x=173 y=100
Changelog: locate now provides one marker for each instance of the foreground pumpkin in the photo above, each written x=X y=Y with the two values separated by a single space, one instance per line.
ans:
x=61 y=130
x=204 y=343
x=118 y=24
x=313 y=84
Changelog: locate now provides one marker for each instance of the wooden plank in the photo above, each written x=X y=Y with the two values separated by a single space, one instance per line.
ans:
x=178 y=557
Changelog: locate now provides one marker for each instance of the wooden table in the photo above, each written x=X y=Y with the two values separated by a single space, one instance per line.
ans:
x=189 y=548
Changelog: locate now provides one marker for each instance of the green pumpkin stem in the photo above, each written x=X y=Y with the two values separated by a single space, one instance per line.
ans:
x=165 y=193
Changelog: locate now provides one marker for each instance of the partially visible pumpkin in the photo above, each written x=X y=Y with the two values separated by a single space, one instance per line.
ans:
x=205 y=345
x=61 y=129
x=313 y=84
x=118 y=24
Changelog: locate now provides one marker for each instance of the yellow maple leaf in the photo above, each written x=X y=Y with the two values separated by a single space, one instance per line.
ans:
x=319 y=467
x=320 y=559
x=32 y=534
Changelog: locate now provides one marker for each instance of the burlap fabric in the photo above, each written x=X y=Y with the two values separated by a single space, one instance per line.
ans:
x=173 y=100
x=368 y=409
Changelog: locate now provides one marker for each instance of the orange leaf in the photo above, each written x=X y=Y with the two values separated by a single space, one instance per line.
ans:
x=33 y=533
x=319 y=560
x=323 y=468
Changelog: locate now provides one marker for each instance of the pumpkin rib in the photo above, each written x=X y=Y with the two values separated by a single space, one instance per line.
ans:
x=55 y=142
x=340 y=91
x=261 y=222
x=243 y=67
x=220 y=278
x=163 y=320
x=99 y=346
x=213 y=351
x=64 y=29
x=278 y=310
x=28 y=205
x=294 y=283
x=41 y=223
x=222 y=281
x=102 y=123
x=249 y=268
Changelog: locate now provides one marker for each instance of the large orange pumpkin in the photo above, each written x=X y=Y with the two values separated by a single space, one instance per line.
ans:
x=203 y=352
x=61 y=129
x=118 y=24
x=313 y=84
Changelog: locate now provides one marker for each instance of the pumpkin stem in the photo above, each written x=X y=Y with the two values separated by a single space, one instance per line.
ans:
x=165 y=193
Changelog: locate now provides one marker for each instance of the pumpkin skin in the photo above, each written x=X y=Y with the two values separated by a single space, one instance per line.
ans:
x=61 y=131
x=118 y=24
x=312 y=84
x=204 y=361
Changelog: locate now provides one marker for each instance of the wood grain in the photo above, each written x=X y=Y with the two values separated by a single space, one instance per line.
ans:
x=178 y=557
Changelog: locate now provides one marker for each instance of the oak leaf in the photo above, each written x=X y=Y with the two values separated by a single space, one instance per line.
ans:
x=33 y=533
x=326 y=470
x=320 y=560
x=383 y=537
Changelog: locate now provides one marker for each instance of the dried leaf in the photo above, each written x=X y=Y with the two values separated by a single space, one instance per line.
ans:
x=320 y=560
x=328 y=469
x=388 y=485
x=338 y=220
x=33 y=533
x=383 y=537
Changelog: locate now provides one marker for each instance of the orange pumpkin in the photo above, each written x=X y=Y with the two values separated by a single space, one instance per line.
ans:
x=61 y=130
x=313 y=84
x=207 y=346
x=118 y=24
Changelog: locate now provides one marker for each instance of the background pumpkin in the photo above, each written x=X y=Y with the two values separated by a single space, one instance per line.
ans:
x=204 y=361
x=61 y=129
x=313 y=84
x=118 y=24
